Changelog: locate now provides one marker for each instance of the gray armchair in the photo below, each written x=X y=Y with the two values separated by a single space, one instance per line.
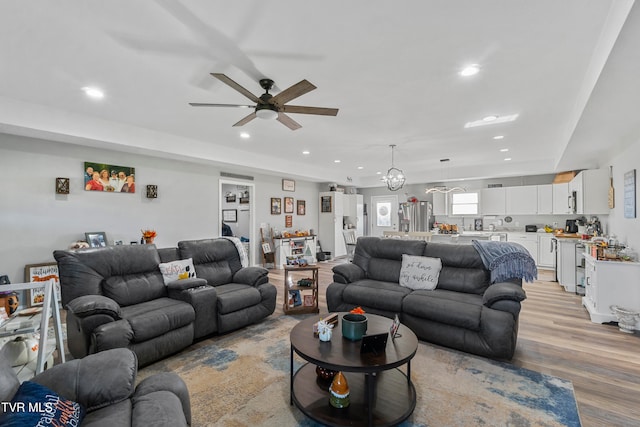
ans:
x=104 y=384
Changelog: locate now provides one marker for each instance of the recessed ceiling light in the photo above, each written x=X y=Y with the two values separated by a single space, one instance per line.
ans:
x=378 y=173
x=93 y=92
x=470 y=70
x=245 y=135
x=507 y=159
x=305 y=152
x=491 y=120
x=336 y=161
x=498 y=137
x=504 y=150
x=360 y=167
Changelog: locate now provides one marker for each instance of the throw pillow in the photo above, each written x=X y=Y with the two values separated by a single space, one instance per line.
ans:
x=35 y=404
x=176 y=270
x=420 y=272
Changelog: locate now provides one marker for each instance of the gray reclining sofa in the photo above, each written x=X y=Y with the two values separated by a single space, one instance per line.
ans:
x=465 y=311
x=116 y=297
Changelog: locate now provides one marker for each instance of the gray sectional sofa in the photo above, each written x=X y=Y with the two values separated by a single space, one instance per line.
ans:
x=116 y=297
x=465 y=311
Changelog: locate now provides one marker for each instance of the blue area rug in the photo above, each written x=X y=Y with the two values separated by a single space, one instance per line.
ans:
x=242 y=379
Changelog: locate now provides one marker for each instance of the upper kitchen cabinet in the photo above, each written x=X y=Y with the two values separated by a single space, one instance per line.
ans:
x=440 y=204
x=562 y=204
x=522 y=200
x=591 y=192
x=545 y=199
x=493 y=201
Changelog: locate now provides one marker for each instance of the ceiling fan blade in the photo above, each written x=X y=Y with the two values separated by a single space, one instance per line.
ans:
x=292 y=92
x=288 y=121
x=321 y=111
x=246 y=119
x=236 y=86
x=201 y=104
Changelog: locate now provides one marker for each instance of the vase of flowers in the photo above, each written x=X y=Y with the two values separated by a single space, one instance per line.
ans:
x=149 y=236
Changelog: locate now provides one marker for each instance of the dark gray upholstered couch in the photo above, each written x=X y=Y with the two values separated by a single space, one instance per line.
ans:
x=464 y=312
x=116 y=297
x=104 y=384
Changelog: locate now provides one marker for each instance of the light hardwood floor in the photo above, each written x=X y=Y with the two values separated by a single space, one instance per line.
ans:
x=557 y=338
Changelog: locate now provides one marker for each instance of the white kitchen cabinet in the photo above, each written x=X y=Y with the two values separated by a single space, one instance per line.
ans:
x=353 y=212
x=330 y=224
x=610 y=283
x=546 y=251
x=440 y=204
x=561 y=202
x=493 y=201
x=566 y=266
x=592 y=192
x=528 y=240
x=522 y=200
x=545 y=199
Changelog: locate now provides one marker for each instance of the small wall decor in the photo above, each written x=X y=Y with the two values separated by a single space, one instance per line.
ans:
x=96 y=239
x=276 y=206
x=288 y=205
x=230 y=215
x=152 y=191
x=230 y=198
x=41 y=273
x=288 y=185
x=109 y=178
x=62 y=185
x=630 y=194
x=325 y=204
x=288 y=221
x=302 y=207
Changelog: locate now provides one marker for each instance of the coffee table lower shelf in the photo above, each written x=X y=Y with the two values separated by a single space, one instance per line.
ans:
x=394 y=400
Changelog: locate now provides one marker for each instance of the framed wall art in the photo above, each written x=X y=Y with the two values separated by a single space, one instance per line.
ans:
x=288 y=205
x=41 y=273
x=109 y=178
x=288 y=185
x=96 y=239
x=230 y=215
x=62 y=185
x=288 y=221
x=630 y=194
x=325 y=204
x=301 y=205
x=276 y=206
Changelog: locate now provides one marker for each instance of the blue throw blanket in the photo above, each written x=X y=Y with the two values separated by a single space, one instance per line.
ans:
x=506 y=260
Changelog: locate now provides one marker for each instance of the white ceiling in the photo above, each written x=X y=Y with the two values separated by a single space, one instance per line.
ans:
x=569 y=69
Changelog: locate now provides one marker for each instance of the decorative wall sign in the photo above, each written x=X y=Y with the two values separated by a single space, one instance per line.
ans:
x=230 y=215
x=325 y=204
x=288 y=221
x=230 y=198
x=41 y=273
x=62 y=185
x=288 y=205
x=302 y=209
x=152 y=191
x=109 y=178
x=630 y=194
x=276 y=206
x=288 y=185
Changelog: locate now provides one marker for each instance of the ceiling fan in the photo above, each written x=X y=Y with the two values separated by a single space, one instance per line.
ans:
x=272 y=106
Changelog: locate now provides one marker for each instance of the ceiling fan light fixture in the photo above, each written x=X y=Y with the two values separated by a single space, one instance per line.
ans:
x=394 y=178
x=266 y=111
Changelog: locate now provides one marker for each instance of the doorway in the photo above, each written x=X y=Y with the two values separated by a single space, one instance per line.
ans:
x=384 y=214
x=236 y=212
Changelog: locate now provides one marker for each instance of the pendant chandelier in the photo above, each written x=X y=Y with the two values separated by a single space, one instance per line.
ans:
x=442 y=188
x=395 y=177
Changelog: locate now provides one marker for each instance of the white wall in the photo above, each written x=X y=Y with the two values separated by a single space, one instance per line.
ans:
x=627 y=230
x=34 y=221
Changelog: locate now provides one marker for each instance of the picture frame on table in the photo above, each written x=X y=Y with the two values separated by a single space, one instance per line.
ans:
x=230 y=215
x=288 y=205
x=96 y=239
x=276 y=206
x=42 y=272
x=309 y=301
x=288 y=185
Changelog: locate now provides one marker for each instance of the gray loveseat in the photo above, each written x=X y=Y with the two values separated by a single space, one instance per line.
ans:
x=465 y=311
x=116 y=297
x=104 y=384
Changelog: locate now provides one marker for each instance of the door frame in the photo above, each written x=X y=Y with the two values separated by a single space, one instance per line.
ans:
x=252 y=213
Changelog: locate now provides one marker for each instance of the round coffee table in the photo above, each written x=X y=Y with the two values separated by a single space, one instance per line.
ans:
x=380 y=393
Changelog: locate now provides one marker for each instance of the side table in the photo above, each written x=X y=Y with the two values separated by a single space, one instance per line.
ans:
x=307 y=295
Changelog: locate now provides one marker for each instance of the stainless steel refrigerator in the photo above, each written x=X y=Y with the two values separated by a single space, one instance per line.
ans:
x=415 y=216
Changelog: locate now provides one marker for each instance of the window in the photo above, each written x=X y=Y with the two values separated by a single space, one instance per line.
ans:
x=464 y=203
